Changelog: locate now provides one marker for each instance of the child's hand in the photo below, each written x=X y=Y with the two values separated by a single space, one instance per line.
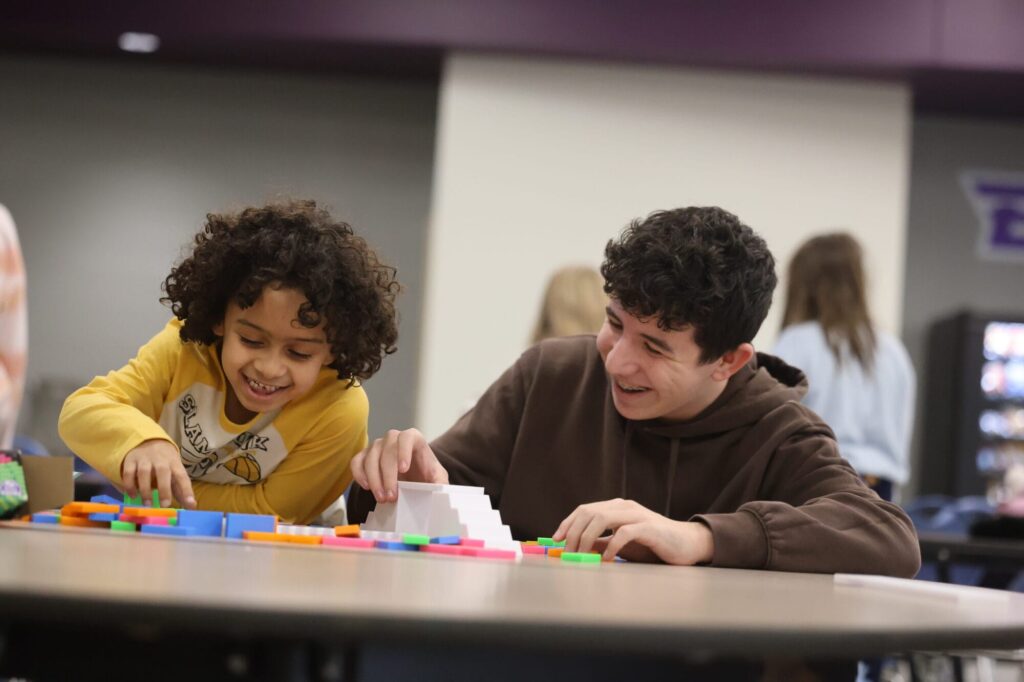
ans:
x=400 y=455
x=160 y=460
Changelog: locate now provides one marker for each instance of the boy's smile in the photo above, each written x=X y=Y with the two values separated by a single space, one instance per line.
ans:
x=268 y=357
x=657 y=374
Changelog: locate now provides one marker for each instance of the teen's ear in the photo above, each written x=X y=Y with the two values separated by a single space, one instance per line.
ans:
x=218 y=329
x=732 y=361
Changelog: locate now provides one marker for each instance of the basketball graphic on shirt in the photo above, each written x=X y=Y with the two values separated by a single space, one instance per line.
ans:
x=245 y=467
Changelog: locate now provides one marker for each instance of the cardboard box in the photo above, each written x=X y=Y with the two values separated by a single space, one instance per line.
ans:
x=50 y=481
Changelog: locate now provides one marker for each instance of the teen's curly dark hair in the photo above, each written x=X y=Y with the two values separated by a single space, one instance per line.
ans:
x=697 y=267
x=298 y=245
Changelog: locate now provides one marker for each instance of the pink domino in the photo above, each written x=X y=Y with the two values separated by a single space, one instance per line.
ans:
x=470 y=542
x=144 y=520
x=453 y=550
x=483 y=553
x=359 y=543
x=534 y=549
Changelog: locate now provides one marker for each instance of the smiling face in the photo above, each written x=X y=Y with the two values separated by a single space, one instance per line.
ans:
x=656 y=374
x=268 y=357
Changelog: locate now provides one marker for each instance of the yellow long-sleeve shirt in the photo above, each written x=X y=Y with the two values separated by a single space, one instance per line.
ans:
x=292 y=462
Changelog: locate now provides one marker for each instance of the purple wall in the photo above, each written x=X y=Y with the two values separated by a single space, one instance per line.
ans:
x=923 y=41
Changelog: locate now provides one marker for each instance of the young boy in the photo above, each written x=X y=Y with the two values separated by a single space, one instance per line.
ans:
x=248 y=401
x=666 y=429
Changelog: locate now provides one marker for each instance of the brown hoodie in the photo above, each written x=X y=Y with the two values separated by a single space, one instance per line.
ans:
x=759 y=469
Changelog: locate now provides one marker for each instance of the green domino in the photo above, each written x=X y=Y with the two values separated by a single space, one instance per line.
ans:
x=171 y=521
x=582 y=557
x=411 y=539
x=132 y=501
x=122 y=526
x=156 y=498
x=548 y=542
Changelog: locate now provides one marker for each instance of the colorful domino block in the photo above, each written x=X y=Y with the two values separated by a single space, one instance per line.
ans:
x=123 y=526
x=238 y=523
x=445 y=540
x=149 y=529
x=355 y=543
x=582 y=557
x=45 y=517
x=397 y=546
x=534 y=549
x=206 y=523
x=106 y=499
x=104 y=517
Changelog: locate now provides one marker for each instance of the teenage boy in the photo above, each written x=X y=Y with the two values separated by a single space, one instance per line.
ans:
x=667 y=430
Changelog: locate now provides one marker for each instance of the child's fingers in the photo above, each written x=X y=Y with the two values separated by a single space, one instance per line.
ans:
x=144 y=477
x=163 y=484
x=182 y=485
x=128 y=470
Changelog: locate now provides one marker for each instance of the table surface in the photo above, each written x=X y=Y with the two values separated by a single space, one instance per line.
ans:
x=254 y=589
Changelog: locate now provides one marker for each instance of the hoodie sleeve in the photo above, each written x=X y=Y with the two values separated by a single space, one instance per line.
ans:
x=815 y=515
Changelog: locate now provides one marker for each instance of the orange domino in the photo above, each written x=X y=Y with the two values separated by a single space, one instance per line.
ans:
x=555 y=552
x=86 y=508
x=266 y=536
x=150 y=511
x=349 y=531
x=81 y=522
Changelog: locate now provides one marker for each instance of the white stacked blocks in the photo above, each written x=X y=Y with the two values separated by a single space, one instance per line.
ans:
x=438 y=510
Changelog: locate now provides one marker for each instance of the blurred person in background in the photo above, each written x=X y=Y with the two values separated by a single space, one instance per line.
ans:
x=861 y=380
x=13 y=328
x=574 y=303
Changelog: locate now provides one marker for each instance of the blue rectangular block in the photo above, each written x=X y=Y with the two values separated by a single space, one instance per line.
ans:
x=445 y=540
x=165 y=530
x=104 y=516
x=396 y=546
x=106 y=499
x=209 y=523
x=237 y=523
x=43 y=517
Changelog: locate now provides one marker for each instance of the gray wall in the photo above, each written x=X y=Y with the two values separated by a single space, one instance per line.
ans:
x=944 y=272
x=109 y=169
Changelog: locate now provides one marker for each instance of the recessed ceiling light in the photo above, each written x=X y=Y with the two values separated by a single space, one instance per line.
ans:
x=138 y=42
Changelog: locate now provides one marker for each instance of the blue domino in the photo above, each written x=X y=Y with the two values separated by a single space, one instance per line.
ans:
x=152 y=529
x=445 y=540
x=43 y=517
x=208 y=523
x=396 y=546
x=106 y=499
x=104 y=516
x=237 y=523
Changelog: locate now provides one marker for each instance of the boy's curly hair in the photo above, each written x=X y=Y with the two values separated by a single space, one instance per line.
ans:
x=697 y=267
x=298 y=245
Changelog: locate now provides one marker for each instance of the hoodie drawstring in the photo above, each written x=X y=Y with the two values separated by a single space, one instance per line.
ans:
x=672 y=461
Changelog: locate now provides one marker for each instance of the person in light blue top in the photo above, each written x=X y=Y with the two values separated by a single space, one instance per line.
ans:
x=861 y=380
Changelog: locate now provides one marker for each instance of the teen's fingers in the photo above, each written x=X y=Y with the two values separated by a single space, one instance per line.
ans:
x=389 y=457
x=356 y=466
x=593 y=530
x=371 y=468
x=620 y=538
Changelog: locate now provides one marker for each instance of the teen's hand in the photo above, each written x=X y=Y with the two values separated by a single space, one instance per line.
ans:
x=638 y=534
x=157 y=461
x=398 y=456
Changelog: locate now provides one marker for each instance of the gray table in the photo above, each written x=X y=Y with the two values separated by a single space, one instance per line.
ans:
x=80 y=580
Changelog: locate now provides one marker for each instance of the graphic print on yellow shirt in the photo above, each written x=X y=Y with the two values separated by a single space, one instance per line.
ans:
x=213 y=451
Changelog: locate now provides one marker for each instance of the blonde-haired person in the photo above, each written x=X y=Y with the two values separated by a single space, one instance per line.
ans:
x=574 y=303
x=861 y=380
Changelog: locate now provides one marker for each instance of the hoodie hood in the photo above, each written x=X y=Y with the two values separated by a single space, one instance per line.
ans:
x=762 y=385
